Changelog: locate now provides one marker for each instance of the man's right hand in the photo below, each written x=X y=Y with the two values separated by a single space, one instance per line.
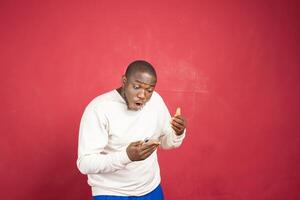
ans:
x=141 y=150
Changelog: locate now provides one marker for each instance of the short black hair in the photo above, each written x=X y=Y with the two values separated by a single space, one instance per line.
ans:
x=140 y=66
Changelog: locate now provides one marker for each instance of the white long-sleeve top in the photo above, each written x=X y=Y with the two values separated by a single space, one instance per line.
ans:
x=107 y=127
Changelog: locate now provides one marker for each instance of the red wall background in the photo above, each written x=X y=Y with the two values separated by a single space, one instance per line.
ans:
x=233 y=67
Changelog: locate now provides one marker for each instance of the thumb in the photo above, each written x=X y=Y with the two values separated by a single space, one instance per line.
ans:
x=178 y=112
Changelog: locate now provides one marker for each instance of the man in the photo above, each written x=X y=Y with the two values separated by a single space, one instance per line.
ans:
x=119 y=134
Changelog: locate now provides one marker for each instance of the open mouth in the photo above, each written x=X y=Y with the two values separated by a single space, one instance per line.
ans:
x=139 y=104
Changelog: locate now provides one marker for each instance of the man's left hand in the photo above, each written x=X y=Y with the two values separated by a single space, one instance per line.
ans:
x=178 y=122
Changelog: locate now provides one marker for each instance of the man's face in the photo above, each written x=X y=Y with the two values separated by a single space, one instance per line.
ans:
x=138 y=89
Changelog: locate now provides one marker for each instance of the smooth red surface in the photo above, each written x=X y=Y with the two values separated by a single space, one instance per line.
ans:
x=233 y=67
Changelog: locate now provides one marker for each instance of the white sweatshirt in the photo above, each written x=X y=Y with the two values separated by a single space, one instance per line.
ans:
x=107 y=127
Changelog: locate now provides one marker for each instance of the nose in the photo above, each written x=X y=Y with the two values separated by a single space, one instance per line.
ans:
x=141 y=94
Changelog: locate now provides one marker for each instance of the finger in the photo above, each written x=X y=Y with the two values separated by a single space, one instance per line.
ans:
x=178 y=112
x=178 y=121
x=151 y=141
x=149 y=148
x=146 y=146
x=178 y=124
x=178 y=117
x=148 y=152
x=178 y=130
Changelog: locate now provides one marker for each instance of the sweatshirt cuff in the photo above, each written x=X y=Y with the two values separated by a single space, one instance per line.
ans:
x=124 y=158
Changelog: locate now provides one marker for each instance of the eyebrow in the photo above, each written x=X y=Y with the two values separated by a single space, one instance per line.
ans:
x=145 y=83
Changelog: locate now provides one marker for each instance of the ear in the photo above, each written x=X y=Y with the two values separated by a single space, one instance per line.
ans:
x=124 y=80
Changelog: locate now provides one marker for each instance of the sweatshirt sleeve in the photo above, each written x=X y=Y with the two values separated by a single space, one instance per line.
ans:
x=93 y=137
x=168 y=138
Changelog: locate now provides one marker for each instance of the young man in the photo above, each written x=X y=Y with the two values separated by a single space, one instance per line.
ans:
x=119 y=134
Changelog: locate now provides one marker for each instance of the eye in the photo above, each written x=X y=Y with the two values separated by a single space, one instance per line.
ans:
x=150 y=90
x=136 y=86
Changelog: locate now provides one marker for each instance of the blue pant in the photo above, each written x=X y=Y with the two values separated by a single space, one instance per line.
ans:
x=156 y=194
